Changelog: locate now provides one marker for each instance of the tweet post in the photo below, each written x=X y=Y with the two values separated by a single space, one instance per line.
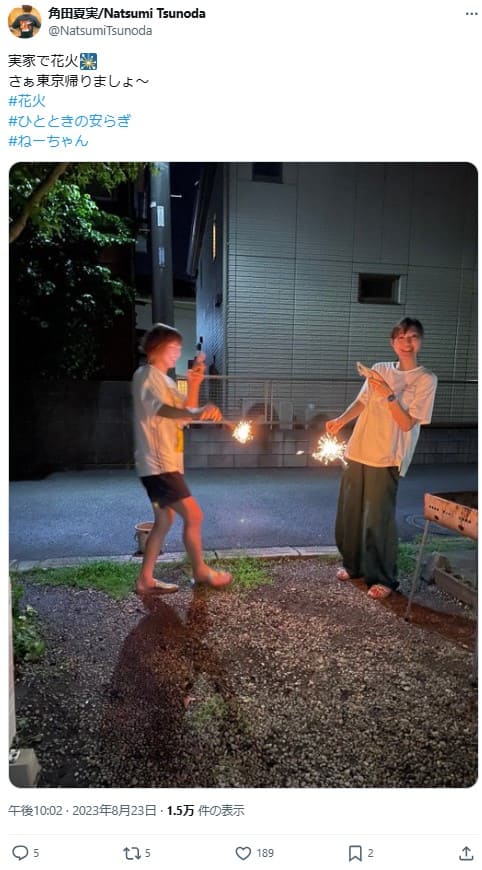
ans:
x=241 y=518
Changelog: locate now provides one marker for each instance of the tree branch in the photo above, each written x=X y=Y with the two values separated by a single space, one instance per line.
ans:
x=18 y=225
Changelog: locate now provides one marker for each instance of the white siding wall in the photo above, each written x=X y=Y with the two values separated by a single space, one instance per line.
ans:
x=295 y=249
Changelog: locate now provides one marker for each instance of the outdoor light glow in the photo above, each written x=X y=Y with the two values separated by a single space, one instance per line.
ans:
x=329 y=449
x=242 y=432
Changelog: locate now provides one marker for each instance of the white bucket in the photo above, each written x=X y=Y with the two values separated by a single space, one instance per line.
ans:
x=142 y=532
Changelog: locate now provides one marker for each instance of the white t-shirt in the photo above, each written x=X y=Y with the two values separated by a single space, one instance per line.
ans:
x=377 y=439
x=158 y=441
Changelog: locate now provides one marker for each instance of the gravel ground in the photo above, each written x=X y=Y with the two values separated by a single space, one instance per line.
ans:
x=303 y=683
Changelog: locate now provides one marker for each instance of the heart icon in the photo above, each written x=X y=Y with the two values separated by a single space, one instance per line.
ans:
x=243 y=852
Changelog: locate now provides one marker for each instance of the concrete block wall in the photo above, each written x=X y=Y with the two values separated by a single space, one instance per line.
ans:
x=447 y=445
x=59 y=425
x=214 y=447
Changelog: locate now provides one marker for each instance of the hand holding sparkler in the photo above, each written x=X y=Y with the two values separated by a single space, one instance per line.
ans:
x=334 y=426
x=196 y=373
x=374 y=379
x=366 y=372
x=210 y=413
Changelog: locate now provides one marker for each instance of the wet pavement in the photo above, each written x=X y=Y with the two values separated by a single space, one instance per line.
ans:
x=94 y=513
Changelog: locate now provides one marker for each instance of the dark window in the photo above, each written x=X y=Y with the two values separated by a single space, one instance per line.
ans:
x=379 y=289
x=268 y=172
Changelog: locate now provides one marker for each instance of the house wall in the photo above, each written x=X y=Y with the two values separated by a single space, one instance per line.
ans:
x=210 y=296
x=293 y=254
x=185 y=322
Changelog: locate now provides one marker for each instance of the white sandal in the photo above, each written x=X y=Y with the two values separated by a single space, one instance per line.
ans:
x=342 y=574
x=378 y=591
x=215 y=579
x=158 y=586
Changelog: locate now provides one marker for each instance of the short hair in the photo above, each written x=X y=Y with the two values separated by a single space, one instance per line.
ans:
x=406 y=324
x=158 y=335
x=26 y=8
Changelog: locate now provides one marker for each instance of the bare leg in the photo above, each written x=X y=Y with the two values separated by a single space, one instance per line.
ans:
x=163 y=518
x=192 y=516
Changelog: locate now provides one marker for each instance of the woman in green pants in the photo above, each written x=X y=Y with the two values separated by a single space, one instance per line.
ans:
x=394 y=401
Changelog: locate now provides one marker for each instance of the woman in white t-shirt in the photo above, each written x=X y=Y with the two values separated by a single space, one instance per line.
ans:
x=160 y=413
x=395 y=400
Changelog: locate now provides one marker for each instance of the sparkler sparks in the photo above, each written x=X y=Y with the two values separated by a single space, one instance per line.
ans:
x=242 y=432
x=329 y=449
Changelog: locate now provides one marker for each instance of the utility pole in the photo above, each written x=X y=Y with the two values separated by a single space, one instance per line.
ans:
x=161 y=244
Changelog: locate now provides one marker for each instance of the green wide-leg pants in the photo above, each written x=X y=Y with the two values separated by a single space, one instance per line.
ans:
x=365 y=530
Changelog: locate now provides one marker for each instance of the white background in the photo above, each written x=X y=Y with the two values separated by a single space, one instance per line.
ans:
x=304 y=81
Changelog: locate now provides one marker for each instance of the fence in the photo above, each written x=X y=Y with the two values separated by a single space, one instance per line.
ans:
x=298 y=402
x=88 y=424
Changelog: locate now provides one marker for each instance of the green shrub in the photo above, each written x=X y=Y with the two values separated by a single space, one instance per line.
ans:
x=28 y=643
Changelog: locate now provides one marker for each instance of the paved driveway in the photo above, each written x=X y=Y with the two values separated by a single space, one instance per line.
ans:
x=93 y=513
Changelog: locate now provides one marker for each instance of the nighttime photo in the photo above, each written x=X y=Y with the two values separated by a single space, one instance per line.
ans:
x=243 y=475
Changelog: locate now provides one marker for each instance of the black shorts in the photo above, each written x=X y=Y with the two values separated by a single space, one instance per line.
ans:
x=165 y=489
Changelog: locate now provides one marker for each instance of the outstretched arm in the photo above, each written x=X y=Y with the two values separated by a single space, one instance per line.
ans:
x=354 y=410
x=190 y=415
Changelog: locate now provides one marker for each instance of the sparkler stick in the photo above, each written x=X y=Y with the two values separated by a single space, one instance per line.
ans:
x=222 y=422
x=198 y=361
x=365 y=372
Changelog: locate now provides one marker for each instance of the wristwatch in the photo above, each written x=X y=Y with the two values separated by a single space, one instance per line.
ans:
x=391 y=397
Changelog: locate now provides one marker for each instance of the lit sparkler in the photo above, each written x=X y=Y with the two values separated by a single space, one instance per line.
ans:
x=242 y=431
x=329 y=450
